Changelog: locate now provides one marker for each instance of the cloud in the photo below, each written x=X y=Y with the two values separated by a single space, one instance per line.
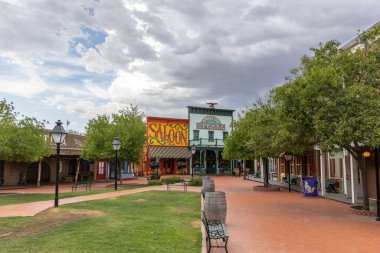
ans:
x=87 y=57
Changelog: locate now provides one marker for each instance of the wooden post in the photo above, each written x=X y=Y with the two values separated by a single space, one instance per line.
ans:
x=77 y=172
x=39 y=173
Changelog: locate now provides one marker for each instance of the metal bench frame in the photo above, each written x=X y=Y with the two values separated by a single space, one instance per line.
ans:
x=85 y=184
x=215 y=231
x=176 y=182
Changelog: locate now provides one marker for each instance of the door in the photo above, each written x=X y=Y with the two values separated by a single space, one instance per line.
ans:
x=101 y=169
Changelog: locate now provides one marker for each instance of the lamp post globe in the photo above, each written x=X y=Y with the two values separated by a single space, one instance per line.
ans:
x=58 y=134
x=116 y=144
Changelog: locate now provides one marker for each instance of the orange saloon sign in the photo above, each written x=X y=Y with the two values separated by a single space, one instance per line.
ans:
x=167 y=132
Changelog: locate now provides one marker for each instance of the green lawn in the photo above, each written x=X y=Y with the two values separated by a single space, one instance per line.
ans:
x=25 y=198
x=145 y=222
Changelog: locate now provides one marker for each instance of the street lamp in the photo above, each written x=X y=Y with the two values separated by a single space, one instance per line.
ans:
x=116 y=146
x=288 y=157
x=58 y=134
x=191 y=159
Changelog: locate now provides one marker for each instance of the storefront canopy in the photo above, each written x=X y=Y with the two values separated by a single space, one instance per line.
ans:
x=169 y=152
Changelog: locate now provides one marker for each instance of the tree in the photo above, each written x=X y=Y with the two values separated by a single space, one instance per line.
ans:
x=127 y=124
x=21 y=139
x=336 y=98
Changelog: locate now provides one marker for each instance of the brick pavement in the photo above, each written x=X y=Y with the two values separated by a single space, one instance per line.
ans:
x=280 y=222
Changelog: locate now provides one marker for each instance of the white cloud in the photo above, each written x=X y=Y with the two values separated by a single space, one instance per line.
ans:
x=162 y=54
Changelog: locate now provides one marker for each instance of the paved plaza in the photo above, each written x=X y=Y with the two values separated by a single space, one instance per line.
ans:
x=266 y=221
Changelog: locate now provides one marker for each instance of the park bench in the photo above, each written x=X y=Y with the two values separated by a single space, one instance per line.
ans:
x=257 y=174
x=215 y=231
x=331 y=185
x=154 y=177
x=294 y=180
x=176 y=182
x=84 y=184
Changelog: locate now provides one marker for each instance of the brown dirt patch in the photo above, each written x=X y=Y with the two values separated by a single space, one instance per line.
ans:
x=195 y=224
x=44 y=221
x=140 y=200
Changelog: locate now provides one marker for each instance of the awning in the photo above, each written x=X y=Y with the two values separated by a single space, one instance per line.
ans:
x=169 y=152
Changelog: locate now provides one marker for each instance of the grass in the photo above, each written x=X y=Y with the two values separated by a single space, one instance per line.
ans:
x=152 y=221
x=26 y=198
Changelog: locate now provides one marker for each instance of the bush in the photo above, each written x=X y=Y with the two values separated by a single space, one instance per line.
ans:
x=196 y=181
x=172 y=179
x=155 y=182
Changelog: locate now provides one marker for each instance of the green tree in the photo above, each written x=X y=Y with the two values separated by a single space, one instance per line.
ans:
x=334 y=100
x=128 y=125
x=21 y=139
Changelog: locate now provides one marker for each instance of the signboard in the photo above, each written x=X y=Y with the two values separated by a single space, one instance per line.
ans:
x=211 y=123
x=167 y=132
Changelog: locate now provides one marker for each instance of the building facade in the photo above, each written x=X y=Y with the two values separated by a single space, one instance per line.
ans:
x=208 y=129
x=167 y=147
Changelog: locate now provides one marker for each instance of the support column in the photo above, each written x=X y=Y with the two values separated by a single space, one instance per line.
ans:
x=205 y=162
x=323 y=172
x=354 y=179
x=344 y=172
x=217 y=161
x=175 y=166
x=328 y=165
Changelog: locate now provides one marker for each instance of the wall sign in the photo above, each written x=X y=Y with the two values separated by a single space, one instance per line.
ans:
x=167 y=132
x=211 y=123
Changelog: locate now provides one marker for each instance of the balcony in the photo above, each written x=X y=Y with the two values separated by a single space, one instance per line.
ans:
x=205 y=142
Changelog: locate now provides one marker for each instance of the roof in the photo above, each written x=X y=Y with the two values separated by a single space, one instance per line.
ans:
x=169 y=152
x=210 y=111
x=354 y=41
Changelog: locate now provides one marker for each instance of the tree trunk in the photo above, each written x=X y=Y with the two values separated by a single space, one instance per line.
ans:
x=77 y=172
x=244 y=170
x=363 y=169
x=265 y=170
x=39 y=173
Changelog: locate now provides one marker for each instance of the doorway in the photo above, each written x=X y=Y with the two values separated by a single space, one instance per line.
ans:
x=32 y=173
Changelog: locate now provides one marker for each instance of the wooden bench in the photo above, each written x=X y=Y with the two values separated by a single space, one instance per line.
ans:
x=84 y=184
x=215 y=231
x=153 y=177
x=176 y=182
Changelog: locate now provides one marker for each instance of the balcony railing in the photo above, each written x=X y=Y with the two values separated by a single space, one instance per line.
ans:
x=205 y=142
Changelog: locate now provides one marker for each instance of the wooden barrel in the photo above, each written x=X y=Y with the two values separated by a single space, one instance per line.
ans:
x=208 y=185
x=215 y=206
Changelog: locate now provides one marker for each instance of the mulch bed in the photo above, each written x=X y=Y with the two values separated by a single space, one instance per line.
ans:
x=358 y=210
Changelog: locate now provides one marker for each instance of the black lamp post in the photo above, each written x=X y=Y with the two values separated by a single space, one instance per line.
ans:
x=191 y=160
x=288 y=157
x=116 y=146
x=58 y=134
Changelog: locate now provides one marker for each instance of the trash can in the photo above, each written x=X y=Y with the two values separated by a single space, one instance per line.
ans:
x=309 y=186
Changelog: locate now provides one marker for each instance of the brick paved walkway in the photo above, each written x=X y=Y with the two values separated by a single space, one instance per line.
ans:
x=282 y=222
x=266 y=222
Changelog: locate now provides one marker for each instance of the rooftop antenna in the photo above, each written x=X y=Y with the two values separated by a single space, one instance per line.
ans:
x=212 y=104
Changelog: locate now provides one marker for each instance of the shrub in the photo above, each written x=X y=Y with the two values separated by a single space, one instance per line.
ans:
x=196 y=181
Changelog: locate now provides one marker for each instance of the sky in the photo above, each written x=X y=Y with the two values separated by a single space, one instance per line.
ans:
x=74 y=60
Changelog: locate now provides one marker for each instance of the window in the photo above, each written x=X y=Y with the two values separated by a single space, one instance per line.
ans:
x=210 y=135
x=196 y=135
x=225 y=135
